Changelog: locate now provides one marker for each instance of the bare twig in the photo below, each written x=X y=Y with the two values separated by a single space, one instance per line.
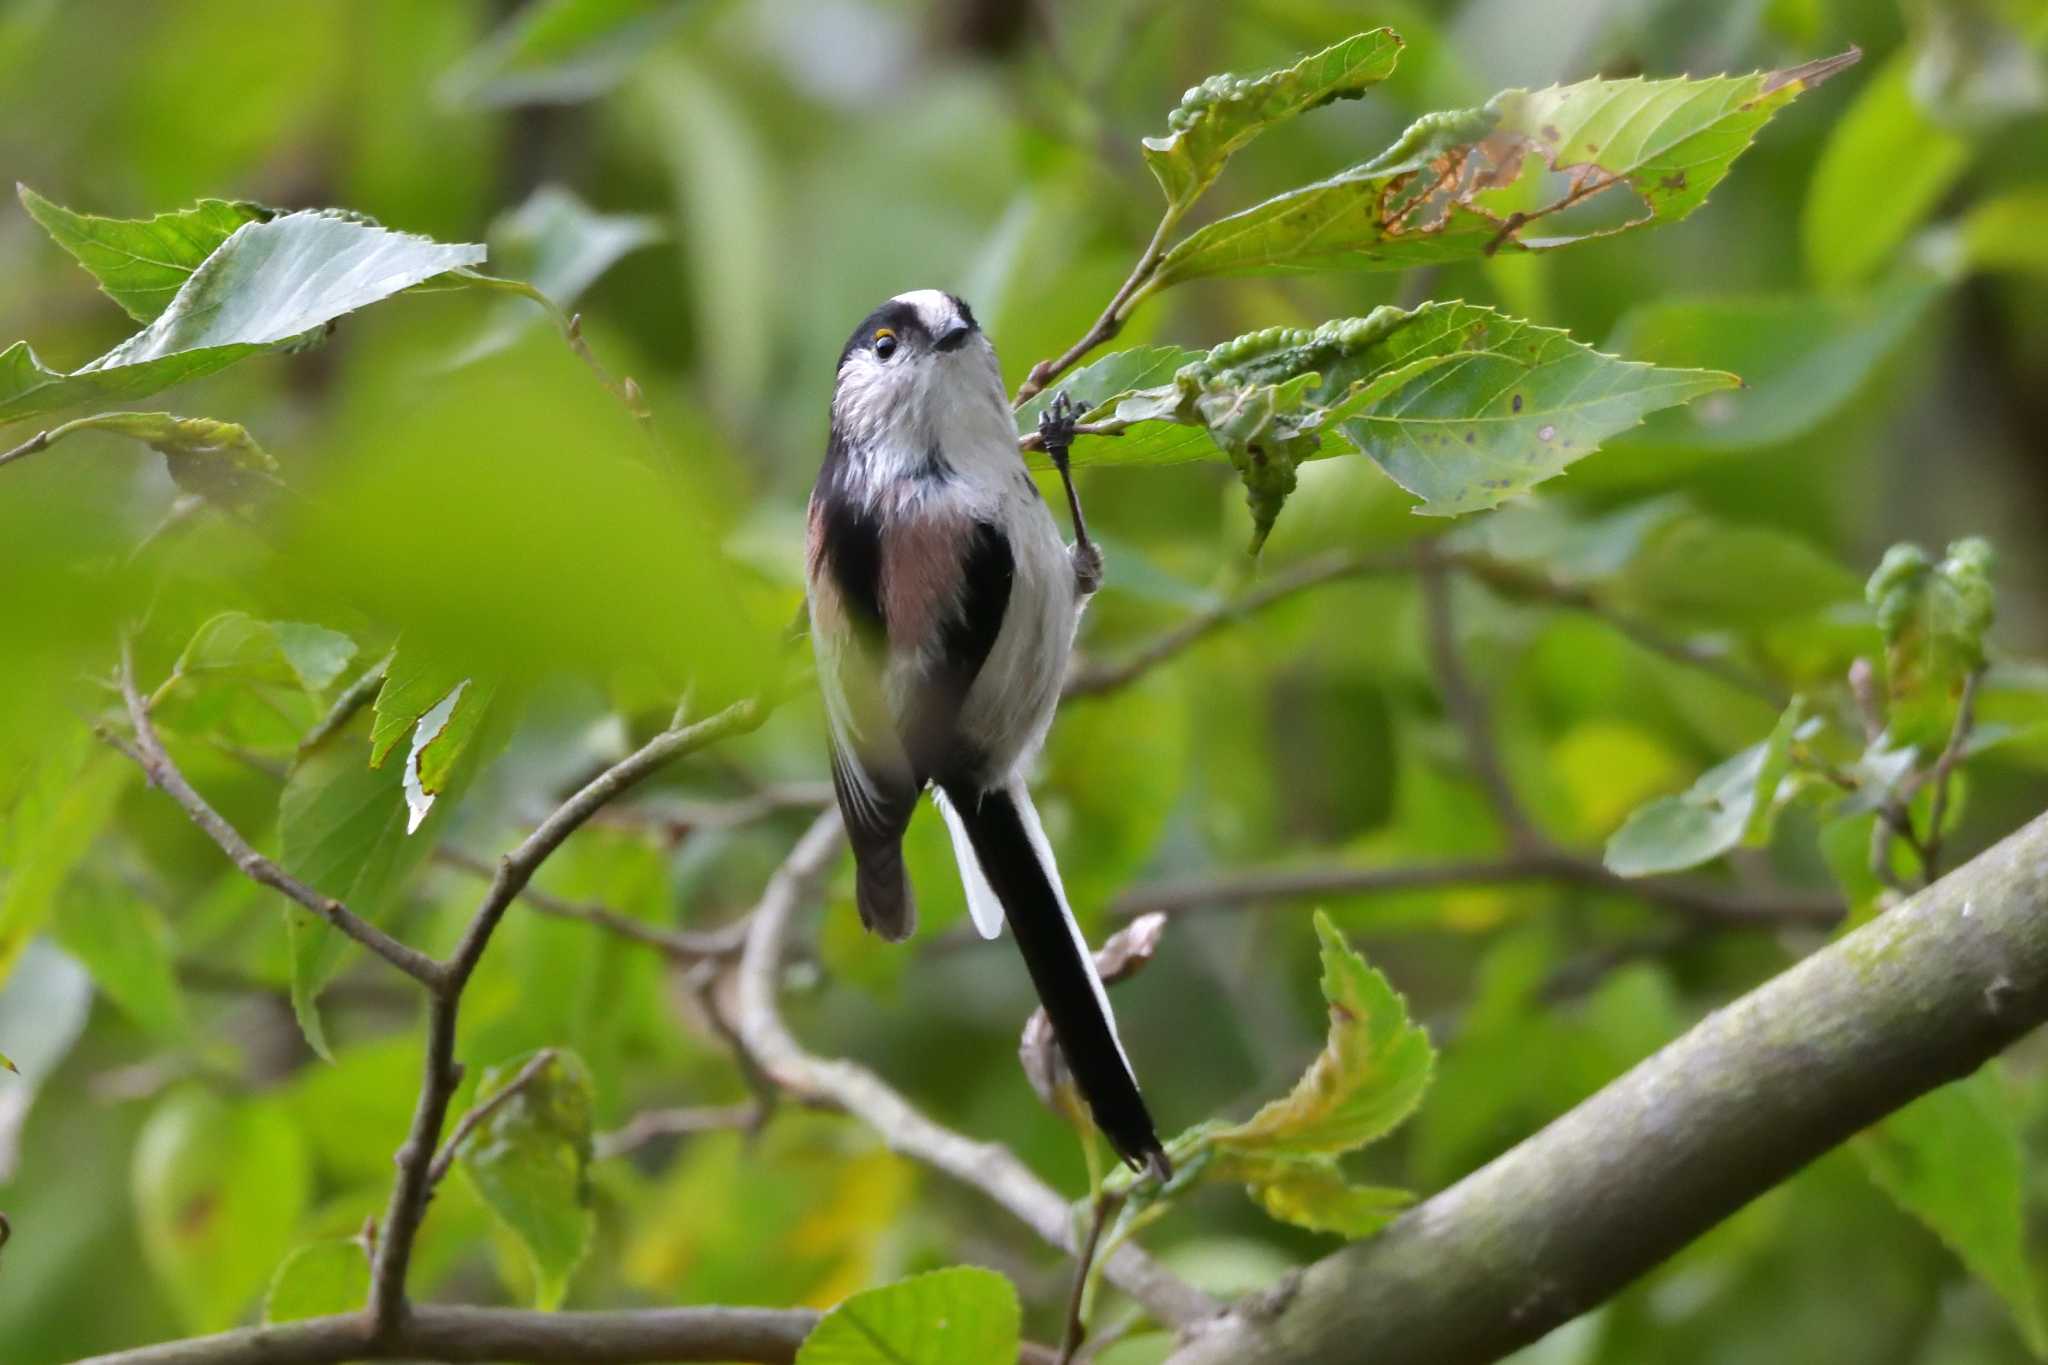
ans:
x=40 y=441
x=1111 y=319
x=480 y=1114
x=1944 y=771
x=1699 y=899
x=679 y=944
x=1467 y=709
x=990 y=1168
x=148 y=750
x=1095 y=679
x=1104 y=1208
x=654 y=1124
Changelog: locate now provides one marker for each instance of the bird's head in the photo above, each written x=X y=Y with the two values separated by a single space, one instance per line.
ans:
x=911 y=363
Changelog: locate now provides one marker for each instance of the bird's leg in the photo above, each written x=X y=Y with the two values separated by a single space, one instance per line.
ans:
x=1056 y=432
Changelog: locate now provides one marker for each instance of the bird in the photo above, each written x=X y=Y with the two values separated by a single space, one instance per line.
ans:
x=942 y=604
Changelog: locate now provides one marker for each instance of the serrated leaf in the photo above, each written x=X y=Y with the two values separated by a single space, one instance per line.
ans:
x=960 y=1316
x=559 y=52
x=1933 y=616
x=1953 y=1159
x=530 y=1162
x=1096 y=387
x=1461 y=405
x=1699 y=824
x=1369 y=1076
x=219 y=1185
x=319 y=1279
x=265 y=288
x=1448 y=189
x=1224 y=112
x=142 y=263
x=1311 y=1192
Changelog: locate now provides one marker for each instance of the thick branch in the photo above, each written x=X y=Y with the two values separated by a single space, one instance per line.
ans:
x=1921 y=996
x=148 y=750
x=641 y=1337
x=989 y=1167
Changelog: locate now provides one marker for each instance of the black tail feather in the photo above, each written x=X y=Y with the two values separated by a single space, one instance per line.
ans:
x=1062 y=976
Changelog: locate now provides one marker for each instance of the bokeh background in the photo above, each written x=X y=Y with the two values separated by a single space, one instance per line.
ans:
x=749 y=179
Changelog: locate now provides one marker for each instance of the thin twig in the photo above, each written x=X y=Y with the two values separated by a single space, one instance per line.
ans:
x=1944 y=770
x=40 y=441
x=1106 y=1203
x=480 y=1114
x=1701 y=900
x=989 y=1167
x=651 y=1125
x=148 y=750
x=682 y=945
x=1467 y=709
x=1111 y=319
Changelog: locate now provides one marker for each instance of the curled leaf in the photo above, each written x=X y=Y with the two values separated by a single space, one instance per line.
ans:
x=1934 y=617
x=1224 y=112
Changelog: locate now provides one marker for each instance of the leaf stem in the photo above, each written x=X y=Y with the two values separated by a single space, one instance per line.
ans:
x=1111 y=320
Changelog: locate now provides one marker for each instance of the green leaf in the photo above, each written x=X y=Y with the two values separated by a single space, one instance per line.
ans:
x=1448 y=189
x=1934 y=617
x=219 y=461
x=343 y=829
x=556 y=244
x=1095 y=387
x=142 y=263
x=7 y=1064
x=1461 y=405
x=50 y=823
x=1702 y=822
x=1311 y=1192
x=1701 y=572
x=1885 y=168
x=219 y=1186
x=958 y=1316
x=125 y=942
x=268 y=286
x=442 y=707
x=559 y=52
x=416 y=681
x=1953 y=1159
x=290 y=653
x=1224 y=112
x=319 y=1279
x=530 y=1162
x=1369 y=1076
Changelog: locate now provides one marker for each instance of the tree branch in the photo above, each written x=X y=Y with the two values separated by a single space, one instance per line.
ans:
x=1921 y=996
x=148 y=751
x=1702 y=900
x=639 y=1337
x=989 y=1167
x=1467 y=709
x=680 y=944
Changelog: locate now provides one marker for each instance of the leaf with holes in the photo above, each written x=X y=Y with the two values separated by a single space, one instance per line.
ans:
x=1452 y=187
x=1369 y=1076
x=960 y=1316
x=530 y=1162
x=142 y=263
x=265 y=288
x=1225 y=112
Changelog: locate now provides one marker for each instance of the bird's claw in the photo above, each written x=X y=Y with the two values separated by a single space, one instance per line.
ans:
x=1087 y=560
x=1056 y=423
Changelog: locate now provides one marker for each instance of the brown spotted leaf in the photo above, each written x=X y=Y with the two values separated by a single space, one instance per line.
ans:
x=1467 y=183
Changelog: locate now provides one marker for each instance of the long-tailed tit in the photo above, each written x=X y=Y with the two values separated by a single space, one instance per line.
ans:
x=943 y=604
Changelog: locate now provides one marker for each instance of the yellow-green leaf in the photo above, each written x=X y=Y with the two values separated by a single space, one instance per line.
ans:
x=530 y=1162
x=960 y=1316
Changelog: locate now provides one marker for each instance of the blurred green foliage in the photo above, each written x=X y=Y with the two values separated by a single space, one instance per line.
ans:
x=211 y=1083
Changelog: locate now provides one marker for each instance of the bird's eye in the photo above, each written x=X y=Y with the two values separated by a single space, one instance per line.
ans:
x=885 y=343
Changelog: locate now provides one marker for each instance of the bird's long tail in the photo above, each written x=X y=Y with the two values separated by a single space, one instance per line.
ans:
x=1010 y=845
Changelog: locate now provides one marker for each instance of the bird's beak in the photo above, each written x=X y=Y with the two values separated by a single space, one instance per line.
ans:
x=953 y=338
